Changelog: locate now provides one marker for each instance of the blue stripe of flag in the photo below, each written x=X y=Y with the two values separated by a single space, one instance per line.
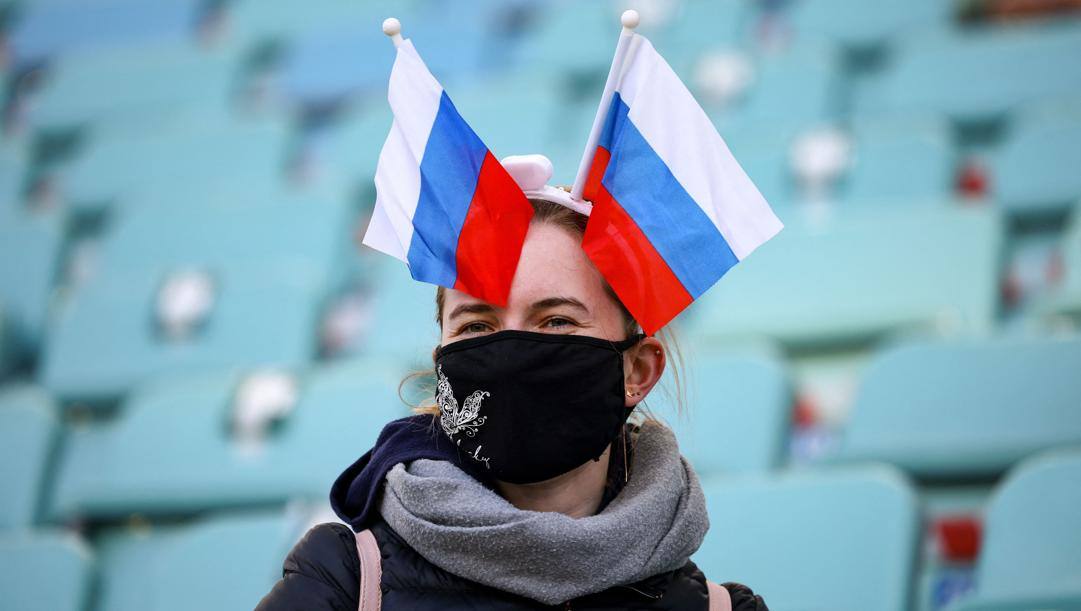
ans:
x=677 y=227
x=448 y=178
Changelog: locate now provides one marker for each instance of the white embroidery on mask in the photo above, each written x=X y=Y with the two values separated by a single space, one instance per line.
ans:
x=458 y=419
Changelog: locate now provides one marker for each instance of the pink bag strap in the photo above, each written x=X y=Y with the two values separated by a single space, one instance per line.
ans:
x=371 y=572
x=719 y=598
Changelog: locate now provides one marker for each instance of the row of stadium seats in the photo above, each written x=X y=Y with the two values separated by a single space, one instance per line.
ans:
x=772 y=531
x=203 y=441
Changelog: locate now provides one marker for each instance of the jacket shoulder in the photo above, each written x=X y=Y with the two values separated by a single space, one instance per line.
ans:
x=322 y=572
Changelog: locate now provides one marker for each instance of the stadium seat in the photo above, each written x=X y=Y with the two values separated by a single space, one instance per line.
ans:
x=862 y=25
x=117 y=86
x=790 y=90
x=107 y=340
x=30 y=255
x=966 y=408
x=843 y=539
x=44 y=571
x=859 y=275
x=271 y=267
x=218 y=563
x=727 y=392
x=175 y=448
x=6 y=357
x=1029 y=556
x=12 y=173
x=1032 y=173
x=46 y=30
x=1066 y=298
x=403 y=324
x=900 y=162
x=979 y=75
x=188 y=152
x=28 y=432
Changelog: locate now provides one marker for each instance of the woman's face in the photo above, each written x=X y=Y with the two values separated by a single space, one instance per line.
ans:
x=556 y=289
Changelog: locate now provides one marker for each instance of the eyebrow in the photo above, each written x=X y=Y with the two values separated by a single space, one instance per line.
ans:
x=553 y=302
x=537 y=306
x=470 y=308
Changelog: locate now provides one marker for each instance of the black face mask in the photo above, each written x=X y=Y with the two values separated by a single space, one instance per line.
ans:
x=530 y=406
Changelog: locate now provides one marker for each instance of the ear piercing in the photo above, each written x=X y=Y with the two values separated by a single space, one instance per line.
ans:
x=636 y=393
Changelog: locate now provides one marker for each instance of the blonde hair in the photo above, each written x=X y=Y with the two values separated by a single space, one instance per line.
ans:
x=573 y=222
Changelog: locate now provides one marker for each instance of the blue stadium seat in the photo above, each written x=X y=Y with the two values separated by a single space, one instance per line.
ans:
x=189 y=153
x=1029 y=557
x=790 y=90
x=726 y=391
x=30 y=255
x=121 y=86
x=44 y=571
x=272 y=267
x=700 y=25
x=967 y=408
x=48 y=29
x=12 y=173
x=842 y=539
x=252 y=22
x=544 y=50
x=920 y=267
x=173 y=450
x=403 y=324
x=978 y=75
x=28 y=431
x=6 y=358
x=1033 y=172
x=860 y=25
x=234 y=558
x=900 y=162
x=1066 y=298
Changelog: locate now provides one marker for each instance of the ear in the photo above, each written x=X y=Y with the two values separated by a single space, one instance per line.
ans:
x=642 y=369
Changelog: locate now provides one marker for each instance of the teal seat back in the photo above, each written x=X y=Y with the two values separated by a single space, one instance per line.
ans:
x=1034 y=171
x=861 y=24
x=726 y=393
x=962 y=74
x=190 y=152
x=900 y=162
x=1029 y=557
x=234 y=558
x=173 y=449
x=838 y=540
x=28 y=432
x=44 y=571
x=968 y=408
x=861 y=275
x=116 y=85
x=402 y=324
x=30 y=255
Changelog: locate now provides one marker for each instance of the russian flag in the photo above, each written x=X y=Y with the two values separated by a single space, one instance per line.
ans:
x=444 y=204
x=672 y=209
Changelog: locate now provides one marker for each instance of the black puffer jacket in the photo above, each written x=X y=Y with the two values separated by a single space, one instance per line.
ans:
x=322 y=573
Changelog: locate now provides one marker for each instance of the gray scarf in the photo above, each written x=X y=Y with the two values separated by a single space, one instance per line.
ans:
x=653 y=526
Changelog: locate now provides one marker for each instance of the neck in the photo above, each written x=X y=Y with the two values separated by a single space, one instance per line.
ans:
x=577 y=493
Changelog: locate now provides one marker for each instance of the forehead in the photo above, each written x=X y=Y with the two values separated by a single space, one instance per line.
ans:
x=552 y=264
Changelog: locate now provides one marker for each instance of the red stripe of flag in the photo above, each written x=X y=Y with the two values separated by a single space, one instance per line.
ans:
x=496 y=222
x=629 y=262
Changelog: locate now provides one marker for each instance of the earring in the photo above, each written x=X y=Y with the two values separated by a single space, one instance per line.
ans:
x=636 y=393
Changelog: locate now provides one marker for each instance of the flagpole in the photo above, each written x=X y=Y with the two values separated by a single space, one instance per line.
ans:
x=393 y=28
x=629 y=19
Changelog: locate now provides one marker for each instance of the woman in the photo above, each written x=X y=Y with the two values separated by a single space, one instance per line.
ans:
x=547 y=500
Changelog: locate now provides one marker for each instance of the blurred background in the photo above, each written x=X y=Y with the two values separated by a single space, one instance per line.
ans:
x=884 y=402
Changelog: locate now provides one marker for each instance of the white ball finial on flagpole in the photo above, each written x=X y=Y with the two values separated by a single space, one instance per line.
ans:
x=629 y=19
x=393 y=28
